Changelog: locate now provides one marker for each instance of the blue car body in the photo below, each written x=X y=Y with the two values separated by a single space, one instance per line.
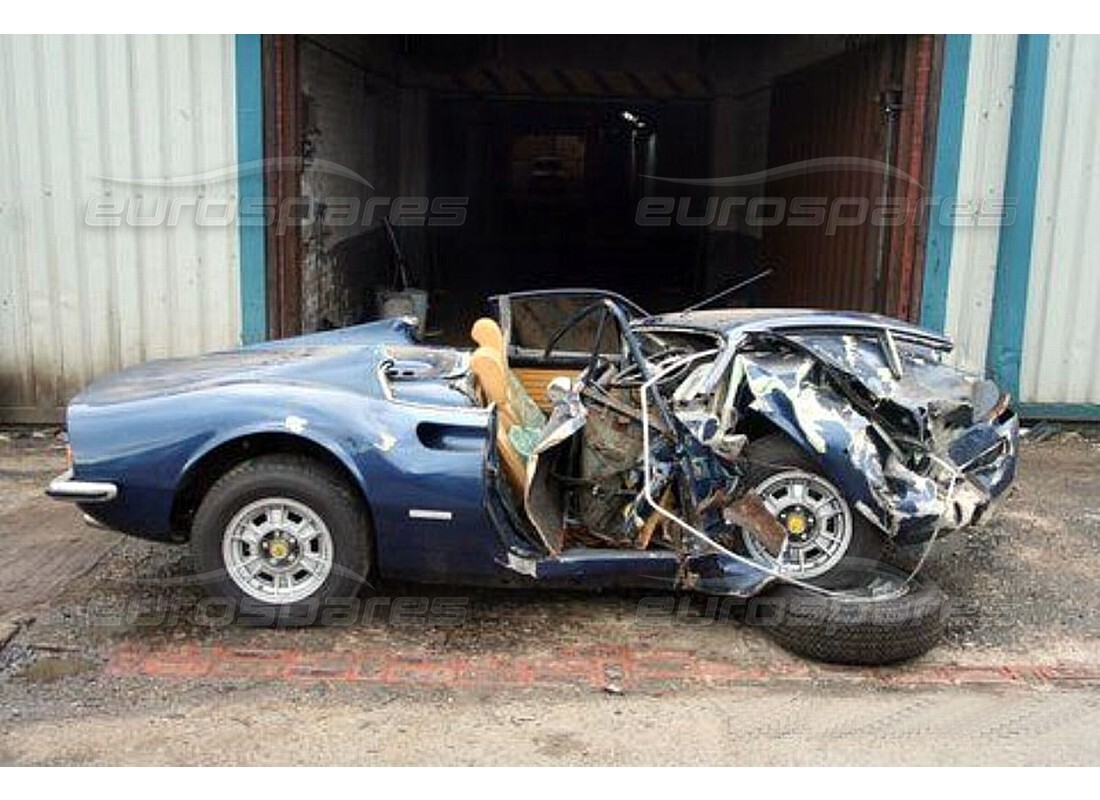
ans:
x=386 y=410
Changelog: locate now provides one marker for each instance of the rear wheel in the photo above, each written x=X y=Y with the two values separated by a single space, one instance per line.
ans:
x=827 y=543
x=282 y=538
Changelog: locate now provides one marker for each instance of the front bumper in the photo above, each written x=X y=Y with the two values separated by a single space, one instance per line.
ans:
x=63 y=487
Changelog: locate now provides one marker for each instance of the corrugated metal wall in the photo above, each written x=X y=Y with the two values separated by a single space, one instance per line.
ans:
x=109 y=121
x=1061 y=355
x=982 y=160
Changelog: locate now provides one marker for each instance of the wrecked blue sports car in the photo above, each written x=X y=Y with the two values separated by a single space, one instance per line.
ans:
x=804 y=461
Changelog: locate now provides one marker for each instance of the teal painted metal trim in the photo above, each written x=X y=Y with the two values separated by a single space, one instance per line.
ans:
x=1065 y=412
x=945 y=180
x=250 y=188
x=1006 y=331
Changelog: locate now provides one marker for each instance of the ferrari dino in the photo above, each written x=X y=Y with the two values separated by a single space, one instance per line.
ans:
x=802 y=461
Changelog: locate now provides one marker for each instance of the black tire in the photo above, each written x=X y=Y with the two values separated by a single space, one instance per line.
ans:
x=775 y=453
x=312 y=484
x=848 y=631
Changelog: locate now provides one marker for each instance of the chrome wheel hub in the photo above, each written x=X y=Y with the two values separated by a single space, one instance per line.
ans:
x=816 y=519
x=277 y=550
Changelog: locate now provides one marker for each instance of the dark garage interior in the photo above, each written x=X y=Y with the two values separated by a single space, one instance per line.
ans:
x=551 y=151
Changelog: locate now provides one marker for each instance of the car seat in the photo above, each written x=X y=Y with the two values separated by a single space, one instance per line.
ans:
x=522 y=409
x=488 y=369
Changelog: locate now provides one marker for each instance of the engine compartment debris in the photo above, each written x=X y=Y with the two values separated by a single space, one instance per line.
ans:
x=645 y=448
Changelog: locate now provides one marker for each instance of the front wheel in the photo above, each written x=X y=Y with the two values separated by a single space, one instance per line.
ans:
x=282 y=538
x=827 y=543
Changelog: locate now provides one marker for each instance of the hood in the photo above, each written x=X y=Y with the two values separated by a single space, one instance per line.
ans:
x=344 y=358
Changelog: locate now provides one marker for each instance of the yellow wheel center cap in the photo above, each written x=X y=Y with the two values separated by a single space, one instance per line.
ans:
x=796 y=524
x=278 y=549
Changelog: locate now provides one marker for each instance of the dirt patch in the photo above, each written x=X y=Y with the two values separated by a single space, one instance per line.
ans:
x=45 y=544
x=761 y=725
x=1026 y=583
x=54 y=668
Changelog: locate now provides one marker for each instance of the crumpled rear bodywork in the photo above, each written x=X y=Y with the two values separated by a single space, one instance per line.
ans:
x=918 y=446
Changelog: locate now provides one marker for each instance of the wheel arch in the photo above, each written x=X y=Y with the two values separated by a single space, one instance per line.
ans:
x=758 y=424
x=204 y=470
x=834 y=461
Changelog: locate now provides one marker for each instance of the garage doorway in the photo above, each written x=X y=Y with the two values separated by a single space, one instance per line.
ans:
x=526 y=162
x=863 y=107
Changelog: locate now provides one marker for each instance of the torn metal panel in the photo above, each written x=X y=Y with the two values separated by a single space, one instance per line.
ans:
x=913 y=477
x=788 y=390
x=884 y=418
x=543 y=499
x=908 y=375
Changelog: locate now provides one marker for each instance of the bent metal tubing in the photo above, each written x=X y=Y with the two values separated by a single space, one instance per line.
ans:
x=647 y=490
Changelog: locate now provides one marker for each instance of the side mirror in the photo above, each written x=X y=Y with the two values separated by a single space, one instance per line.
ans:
x=558 y=389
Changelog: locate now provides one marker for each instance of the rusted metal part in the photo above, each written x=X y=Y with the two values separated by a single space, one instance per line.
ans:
x=645 y=535
x=749 y=513
x=916 y=139
x=283 y=151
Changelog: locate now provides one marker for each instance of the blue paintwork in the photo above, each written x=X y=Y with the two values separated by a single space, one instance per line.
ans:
x=250 y=187
x=834 y=415
x=1006 y=332
x=412 y=441
x=945 y=180
x=145 y=428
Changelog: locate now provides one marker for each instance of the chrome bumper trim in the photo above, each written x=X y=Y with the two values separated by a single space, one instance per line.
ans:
x=63 y=487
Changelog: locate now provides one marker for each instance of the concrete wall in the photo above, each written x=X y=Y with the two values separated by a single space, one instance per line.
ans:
x=358 y=119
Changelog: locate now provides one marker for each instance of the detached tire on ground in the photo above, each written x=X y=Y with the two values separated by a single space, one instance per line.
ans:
x=859 y=631
x=282 y=538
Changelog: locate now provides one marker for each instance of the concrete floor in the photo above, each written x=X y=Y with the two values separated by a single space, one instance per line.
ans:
x=115 y=658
